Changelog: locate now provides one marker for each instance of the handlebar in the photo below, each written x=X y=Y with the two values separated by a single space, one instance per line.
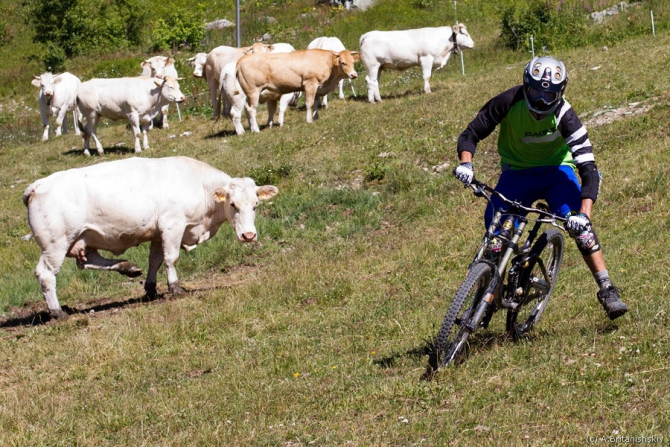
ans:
x=480 y=189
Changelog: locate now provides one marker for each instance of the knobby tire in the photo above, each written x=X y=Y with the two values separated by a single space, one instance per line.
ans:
x=537 y=287
x=451 y=338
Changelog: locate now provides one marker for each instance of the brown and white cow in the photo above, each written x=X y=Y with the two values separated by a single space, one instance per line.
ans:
x=429 y=48
x=159 y=67
x=170 y=202
x=216 y=60
x=136 y=99
x=232 y=94
x=57 y=96
x=315 y=72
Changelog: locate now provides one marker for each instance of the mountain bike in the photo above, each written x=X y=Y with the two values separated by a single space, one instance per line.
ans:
x=505 y=274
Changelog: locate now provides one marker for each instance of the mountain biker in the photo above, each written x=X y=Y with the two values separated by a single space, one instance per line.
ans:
x=541 y=142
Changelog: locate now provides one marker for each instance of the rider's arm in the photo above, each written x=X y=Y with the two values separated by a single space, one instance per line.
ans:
x=577 y=138
x=486 y=121
x=587 y=206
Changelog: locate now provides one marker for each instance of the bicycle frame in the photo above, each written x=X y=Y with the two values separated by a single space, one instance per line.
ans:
x=493 y=291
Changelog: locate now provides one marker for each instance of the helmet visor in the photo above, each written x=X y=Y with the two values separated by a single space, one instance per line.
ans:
x=541 y=96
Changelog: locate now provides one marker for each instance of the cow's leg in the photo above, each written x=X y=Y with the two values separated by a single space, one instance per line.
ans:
x=76 y=116
x=272 y=109
x=317 y=104
x=155 y=261
x=45 y=121
x=372 y=82
x=310 y=96
x=91 y=124
x=214 y=95
x=89 y=259
x=284 y=102
x=164 y=111
x=134 y=120
x=322 y=101
x=341 y=85
x=250 y=106
x=426 y=68
x=170 y=240
x=61 y=122
x=236 y=117
x=45 y=272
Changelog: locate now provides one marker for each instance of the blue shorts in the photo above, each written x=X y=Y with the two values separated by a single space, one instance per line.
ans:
x=558 y=185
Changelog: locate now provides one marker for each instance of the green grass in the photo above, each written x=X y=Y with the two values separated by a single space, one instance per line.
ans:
x=317 y=335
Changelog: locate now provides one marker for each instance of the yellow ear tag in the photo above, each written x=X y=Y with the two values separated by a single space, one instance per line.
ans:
x=220 y=196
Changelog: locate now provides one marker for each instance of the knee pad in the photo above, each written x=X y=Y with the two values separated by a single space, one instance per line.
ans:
x=587 y=241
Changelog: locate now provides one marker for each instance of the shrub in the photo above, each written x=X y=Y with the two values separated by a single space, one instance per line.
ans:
x=182 y=27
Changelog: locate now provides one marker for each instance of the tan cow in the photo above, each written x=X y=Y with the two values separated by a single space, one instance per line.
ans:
x=315 y=72
x=216 y=60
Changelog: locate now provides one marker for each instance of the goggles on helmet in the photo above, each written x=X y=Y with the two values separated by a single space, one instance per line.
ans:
x=537 y=96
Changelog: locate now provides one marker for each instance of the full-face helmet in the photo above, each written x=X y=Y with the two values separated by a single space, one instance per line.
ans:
x=544 y=82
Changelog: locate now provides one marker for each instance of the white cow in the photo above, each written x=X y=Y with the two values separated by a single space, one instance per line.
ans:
x=171 y=202
x=57 y=96
x=136 y=99
x=159 y=67
x=231 y=92
x=429 y=48
x=336 y=45
x=198 y=63
x=315 y=72
x=218 y=58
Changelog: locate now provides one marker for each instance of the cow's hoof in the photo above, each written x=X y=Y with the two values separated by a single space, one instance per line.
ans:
x=129 y=269
x=177 y=290
x=57 y=314
x=150 y=289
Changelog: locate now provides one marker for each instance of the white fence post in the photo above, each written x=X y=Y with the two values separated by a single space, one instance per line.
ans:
x=653 y=31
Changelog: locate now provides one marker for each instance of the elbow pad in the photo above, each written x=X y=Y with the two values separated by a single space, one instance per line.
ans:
x=591 y=179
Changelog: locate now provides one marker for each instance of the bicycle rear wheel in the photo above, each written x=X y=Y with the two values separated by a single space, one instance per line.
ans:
x=452 y=335
x=537 y=282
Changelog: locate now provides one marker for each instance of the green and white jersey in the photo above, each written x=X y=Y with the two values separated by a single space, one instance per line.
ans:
x=559 y=139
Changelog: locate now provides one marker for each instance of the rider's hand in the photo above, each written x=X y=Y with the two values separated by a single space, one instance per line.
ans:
x=465 y=173
x=577 y=223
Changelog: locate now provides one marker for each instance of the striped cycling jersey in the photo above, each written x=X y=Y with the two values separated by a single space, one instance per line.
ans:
x=523 y=142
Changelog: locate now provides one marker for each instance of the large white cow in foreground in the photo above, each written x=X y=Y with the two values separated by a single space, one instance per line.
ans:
x=56 y=98
x=232 y=94
x=332 y=44
x=159 y=67
x=429 y=48
x=136 y=99
x=315 y=72
x=171 y=202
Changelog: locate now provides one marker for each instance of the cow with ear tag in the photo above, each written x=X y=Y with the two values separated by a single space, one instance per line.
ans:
x=172 y=203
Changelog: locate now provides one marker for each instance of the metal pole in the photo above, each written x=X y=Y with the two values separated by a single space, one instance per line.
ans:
x=653 y=30
x=460 y=52
x=237 y=23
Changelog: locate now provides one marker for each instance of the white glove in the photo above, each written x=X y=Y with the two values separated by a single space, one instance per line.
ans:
x=577 y=223
x=465 y=173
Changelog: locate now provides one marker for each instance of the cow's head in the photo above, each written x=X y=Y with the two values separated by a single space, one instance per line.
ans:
x=346 y=60
x=46 y=83
x=258 y=47
x=170 y=88
x=240 y=199
x=461 y=38
x=156 y=65
x=198 y=63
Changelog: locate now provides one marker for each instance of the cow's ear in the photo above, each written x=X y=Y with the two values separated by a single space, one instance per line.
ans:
x=57 y=79
x=266 y=192
x=145 y=64
x=270 y=48
x=220 y=195
x=36 y=82
x=159 y=82
x=457 y=28
x=356 y=55
x=169 y=61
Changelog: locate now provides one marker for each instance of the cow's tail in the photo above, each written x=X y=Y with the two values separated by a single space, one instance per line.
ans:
x=78 y=115
x=28 y=194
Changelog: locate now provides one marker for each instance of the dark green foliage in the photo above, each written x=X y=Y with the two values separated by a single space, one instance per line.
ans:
x=183 y=27
x=74 y=27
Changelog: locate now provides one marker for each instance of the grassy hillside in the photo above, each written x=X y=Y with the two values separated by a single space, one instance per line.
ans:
x=317 y=335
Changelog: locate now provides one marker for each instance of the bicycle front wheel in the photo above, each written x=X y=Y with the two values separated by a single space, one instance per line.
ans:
x=536 y=283
x=452 y=335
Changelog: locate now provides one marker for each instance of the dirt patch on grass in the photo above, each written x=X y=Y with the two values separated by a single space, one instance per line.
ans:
x=609 y=115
